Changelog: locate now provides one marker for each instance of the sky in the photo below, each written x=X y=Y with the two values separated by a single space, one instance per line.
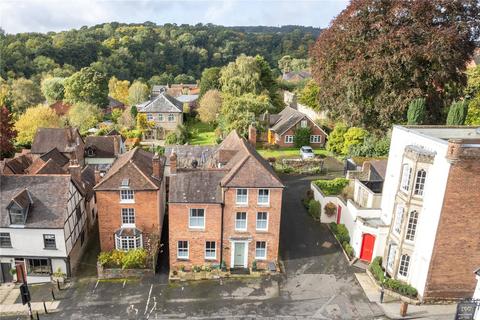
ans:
x=54 y=15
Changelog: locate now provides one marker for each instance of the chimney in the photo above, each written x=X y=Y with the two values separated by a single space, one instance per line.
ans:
x=252 y=135
x=116 y=145
x=75 y=170
x=157 y=168
x=98 y=176
x=173 y=163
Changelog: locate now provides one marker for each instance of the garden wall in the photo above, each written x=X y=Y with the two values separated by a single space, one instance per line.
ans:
x=119 y=273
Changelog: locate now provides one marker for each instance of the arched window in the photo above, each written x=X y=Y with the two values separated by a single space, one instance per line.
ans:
x=398 y=219
x=406 y=174
x=412 y=225
x=420 y=182
x=404 y=264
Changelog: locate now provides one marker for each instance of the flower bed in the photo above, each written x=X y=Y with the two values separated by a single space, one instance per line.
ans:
x=332 y=187
x=395 y=285
x=124 y=264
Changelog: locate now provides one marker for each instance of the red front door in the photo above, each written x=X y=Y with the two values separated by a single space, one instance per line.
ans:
x=367 y=247
x=339 y=213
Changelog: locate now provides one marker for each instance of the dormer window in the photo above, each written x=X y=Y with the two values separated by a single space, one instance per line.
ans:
x=90 y=152
x=18 y=207
x=125 y=183
x=17 y=216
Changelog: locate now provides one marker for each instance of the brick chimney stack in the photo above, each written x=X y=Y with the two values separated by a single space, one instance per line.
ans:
x=157 y=167
x=252 y=135
x=75 y=170
x=173 y=163
x=116 y=145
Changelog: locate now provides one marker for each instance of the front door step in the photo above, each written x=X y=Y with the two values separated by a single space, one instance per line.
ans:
x=239 y=271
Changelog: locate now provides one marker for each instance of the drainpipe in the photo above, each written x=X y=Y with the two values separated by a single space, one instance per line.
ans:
x=221 y=228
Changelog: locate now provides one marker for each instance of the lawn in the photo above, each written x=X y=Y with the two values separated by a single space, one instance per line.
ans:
x=288 y=152
x=202 y=133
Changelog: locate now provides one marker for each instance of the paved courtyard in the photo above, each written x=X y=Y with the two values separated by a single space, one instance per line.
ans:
x=317 y=283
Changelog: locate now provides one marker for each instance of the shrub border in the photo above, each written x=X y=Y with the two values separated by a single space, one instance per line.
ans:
x=393 y=293
x=338 y=241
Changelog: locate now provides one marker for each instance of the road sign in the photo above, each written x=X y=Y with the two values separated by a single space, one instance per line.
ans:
x=466 y=309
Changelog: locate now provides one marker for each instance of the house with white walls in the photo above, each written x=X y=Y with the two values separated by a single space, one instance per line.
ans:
x=431 y=202
x=43 y=225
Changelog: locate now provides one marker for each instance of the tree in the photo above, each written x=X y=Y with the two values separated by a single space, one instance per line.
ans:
x=142 y=123
x=241 y=76
x=5 y=95
x=302 y=137
x=209 y=106
x=239 y=112
x=7 y=133
x=372 y=60
x=137 y=93
x=183 y=78
x=41 y=116
x=53 y=89
x=25 y=93
x=87 y=85
x=457 y=113
x=285 y=64
x=309 y=95
x=116 y=114
x=354 y=136
x=473 y=114
x=118 y=89
x=164 y=78
x=473 y=82
x=336 y=139
x=134 y=111
x=416 y=111
x=84 y=116
x=210 y=80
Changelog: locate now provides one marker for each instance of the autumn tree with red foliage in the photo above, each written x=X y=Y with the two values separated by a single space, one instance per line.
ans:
x=7 y=133
x=378 y=55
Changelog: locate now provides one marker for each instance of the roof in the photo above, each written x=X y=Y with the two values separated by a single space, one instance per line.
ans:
x=135 y=165
x=296 y=75
x=161 y=103
x=443 y=132
x=380 y=167
x=374 y=186
x=187 y=153
x=40 y=166
x=19 y=165
x=49 y=205
x=22 y=199
x=185 y=98
x=114 y=103
x=287 y=118
x=103 y=146
x=64 y=139
x=56 y=156
x=196 y=186
x=115 y=132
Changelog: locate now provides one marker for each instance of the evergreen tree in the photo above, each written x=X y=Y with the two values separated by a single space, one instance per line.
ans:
x=457 y=113
x=416 y=111
x=7 y=133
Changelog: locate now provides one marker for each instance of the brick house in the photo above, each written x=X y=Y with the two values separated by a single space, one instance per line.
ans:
x=131 y=201
x=282 y=127
x=224 y=206
x=431 y=203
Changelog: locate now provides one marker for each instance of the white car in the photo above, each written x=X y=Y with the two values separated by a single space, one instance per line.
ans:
x=306 y=152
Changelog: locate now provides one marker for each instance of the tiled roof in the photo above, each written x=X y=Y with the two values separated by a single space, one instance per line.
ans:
x=22 y=199
x=196 y=186
x=49 y=205
x=161 y=103
x=287 y=118
x=114 y=103
x=64 y=139
x=187 y=153
x=56 y=156
x=103 y=146
x=380 y=167
x=19 y=165
x=135 y=165
x=296 y=75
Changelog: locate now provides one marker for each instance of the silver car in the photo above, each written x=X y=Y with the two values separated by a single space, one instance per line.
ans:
x=306 y=152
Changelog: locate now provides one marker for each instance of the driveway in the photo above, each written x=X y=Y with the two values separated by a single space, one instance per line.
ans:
x=318 y=283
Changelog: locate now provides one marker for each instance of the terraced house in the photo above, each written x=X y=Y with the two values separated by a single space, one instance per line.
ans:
x=224 y=206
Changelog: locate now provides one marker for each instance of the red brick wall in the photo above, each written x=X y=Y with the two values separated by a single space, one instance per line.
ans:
x=148 y=217
x=456 y=253
x=178 y=216
x=280 y=140
x=271 y=236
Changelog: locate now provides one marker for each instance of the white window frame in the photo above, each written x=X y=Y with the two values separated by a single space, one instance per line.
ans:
x=420 y=182
x=49 y=237
x=262 y=220
x=132 y=242
x=257 y=257
x=303 y=123
x=190 y=217
x=391 y=257
x=128 y=214
x=214 y=257
x=315 y=138
x=149 y=117
x=399 y=213
x=404 y=265
x=237 y=220
x=180 y=257
x=243 y=203
x=6 y=241
x=289 y=139
x=160 y=117
x=267 y=203
x=127 y=199
x=171 y=117
x=412 y=225
x=406 y=177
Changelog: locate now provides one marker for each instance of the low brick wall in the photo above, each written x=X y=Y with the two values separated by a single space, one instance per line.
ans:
x=119 y=273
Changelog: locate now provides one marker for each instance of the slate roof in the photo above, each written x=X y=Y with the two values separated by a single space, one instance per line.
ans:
x=56 y=156
x=64 y=139
x=196 y=186
x=103 y=146
x=161 y=103
x=49 y=194
x=135 y=165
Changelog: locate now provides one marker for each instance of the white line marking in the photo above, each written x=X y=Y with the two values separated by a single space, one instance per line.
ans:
x=148 y=300
x=124 y=281
x=95 y=288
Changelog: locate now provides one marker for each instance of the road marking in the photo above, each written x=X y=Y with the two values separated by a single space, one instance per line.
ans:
x=148 y=300
x=95 y=288
x=318 y=314
x=124 y=281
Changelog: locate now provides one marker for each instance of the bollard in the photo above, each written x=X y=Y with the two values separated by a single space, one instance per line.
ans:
x=45 y=307
x=403 y=308
x=38 y=318
x=382 y=293
x=58 y=285
x=53 y=295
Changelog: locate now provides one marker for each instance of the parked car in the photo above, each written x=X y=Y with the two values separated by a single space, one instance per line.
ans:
x=306 y=152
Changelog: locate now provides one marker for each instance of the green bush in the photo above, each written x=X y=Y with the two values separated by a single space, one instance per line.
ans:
x=336 y=139
x=416 y=111
x=457 y=113
x=302 y=137
x=332 y=187
x=372 y=146
x=375 y=268
x=354 y=136
x=308 y=198
x=132 y=259
x=400 y=287
x=348 y=249
x=340 y=231
x=314 y=208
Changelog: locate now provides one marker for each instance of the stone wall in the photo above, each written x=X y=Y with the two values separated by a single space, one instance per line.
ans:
x=119 y=273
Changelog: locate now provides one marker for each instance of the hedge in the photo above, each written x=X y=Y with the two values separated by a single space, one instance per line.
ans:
x=341 y=232
x=389 y=283
x=332 y=187
x=132 y=259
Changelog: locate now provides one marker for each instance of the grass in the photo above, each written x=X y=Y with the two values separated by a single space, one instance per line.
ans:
x=202 y=133
x=288 y=152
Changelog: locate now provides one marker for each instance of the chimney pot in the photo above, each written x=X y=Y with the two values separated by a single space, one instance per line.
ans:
x=157 y=168
x=173 y=163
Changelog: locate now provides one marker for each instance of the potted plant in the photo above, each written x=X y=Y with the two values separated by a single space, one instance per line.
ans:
x=58 y=276
x=330 y=209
